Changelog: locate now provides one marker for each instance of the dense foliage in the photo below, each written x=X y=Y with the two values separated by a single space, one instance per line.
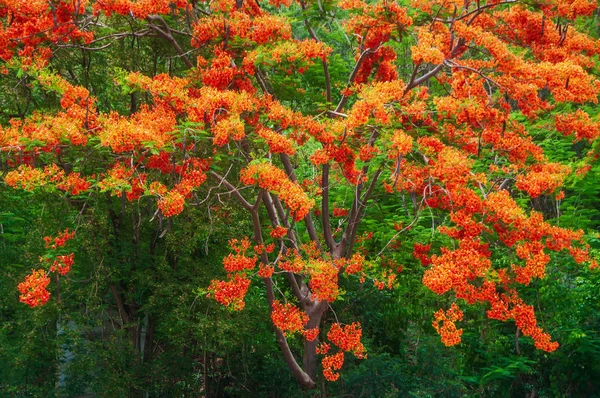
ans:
x=288 y=198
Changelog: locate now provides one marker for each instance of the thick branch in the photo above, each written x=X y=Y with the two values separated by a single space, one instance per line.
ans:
x=325 y=209
x=453 y=64
x=300 y=375
x=310 y=226
x=422 y=79
x=262 y=81
x=125 y=318
x=272 y=213
x=414 y=82
x=359 y=62
x=122 y=312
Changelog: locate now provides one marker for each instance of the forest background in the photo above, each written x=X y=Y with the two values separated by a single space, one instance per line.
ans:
x=101 y=98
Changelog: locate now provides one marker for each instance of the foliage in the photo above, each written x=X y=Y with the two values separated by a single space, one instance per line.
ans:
x=355 y=175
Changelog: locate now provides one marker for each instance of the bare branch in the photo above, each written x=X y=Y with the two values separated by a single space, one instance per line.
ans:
x=166 y=34
x=310 y=226
x=313 y=35
x=235 y=191
x=359 y=62
x=325 y=209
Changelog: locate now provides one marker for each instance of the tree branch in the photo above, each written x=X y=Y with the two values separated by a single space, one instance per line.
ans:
x=166 y=34
x=272 y=213
x=313 y=35
x=310 y=226
x=359 y=62
x=362 y=205
x=357 y=204
x=300 y=375
x=233 y=190
x=325 y=209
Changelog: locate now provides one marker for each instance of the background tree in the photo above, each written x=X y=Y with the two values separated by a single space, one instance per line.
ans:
x=405 y=132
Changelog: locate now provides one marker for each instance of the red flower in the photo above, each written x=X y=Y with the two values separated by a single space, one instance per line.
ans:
x=33 y=289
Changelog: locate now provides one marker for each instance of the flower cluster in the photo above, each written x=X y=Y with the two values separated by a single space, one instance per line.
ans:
x=171 y=203
x=37 y=23
x=323 y=280
x=33 y=289
x=381 y=21
x=331 y=363
x=347 y=338
x=302 y=125
x=293 y=263
x=74 y=184
x=138 y=8
x=542 y=178
x=148 y=127
x=239 y=262
x=265 y=271
x=447 y=330
x=231 y=292
x=432 y=46
x=60 y=240
x=311 y=334
x=273 y=179
x=339 y=212
x=277 y=143
x=30 y=178
x=278 y=232
x=402 y=144
x=62 y=264
x=525 y=319
x=578 y=123
x=420 y=252
x=287 y=317
x=226 y=128
x=353 y=265
x=388 y=280
x=116 y=180
x=467 y=269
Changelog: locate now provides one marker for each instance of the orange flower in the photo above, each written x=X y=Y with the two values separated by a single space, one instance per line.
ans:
x=63 y=264
x=448 y=331
x=278 y=232
x=230 y=292
x=270 y=177
x=287 y=317
x=347 y=338
x=331 y=363
x=238 y=262
x=323 y=280
x=33 y=289
x=171 y=203
x=311 y=334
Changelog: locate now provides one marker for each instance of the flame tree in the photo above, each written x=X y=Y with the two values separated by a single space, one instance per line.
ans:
x=309 y=113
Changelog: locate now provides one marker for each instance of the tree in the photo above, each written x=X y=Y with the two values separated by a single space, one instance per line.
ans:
x=337 y=139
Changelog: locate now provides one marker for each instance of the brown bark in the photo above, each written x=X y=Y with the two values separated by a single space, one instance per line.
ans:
x=125 y=318
x=315 y=313
x=166 y=33
x=303 y=378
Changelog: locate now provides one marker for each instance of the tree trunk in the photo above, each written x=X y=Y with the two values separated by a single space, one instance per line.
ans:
x=315 y=313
